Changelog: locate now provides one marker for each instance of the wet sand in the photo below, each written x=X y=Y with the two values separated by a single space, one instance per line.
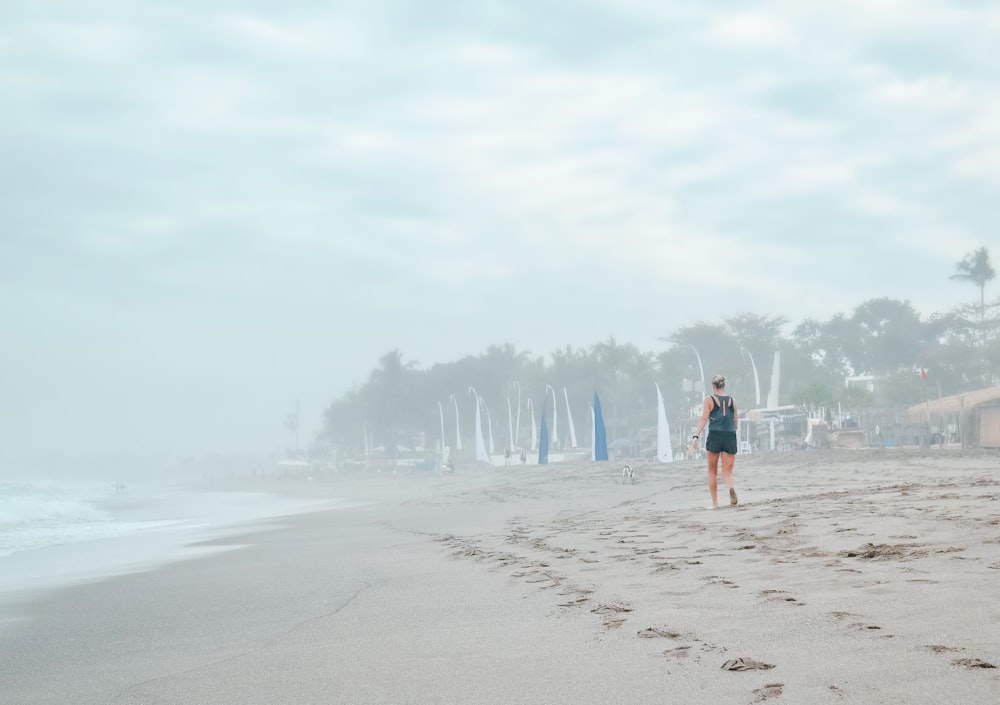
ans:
x=853 y=577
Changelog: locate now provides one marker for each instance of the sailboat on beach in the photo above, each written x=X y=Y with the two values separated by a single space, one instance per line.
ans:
x=569 y=416
x=664 y=451
x=543 y=441
x=599 y=446
x=481 y=452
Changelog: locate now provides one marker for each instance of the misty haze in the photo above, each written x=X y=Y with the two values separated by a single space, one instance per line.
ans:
x=499 y=353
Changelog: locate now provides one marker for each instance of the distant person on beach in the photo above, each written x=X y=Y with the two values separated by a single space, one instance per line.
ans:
x=719 y=414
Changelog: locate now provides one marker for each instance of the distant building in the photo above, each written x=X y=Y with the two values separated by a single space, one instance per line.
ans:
x=975 y=415
x=870 y=383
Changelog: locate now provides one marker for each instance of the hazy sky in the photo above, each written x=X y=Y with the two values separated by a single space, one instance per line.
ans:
x=211 y=209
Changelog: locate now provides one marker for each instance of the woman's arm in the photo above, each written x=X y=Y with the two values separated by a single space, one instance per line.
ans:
x=703 y=421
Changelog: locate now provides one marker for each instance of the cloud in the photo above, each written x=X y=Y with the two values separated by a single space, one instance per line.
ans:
x=96 y=42
x=751 y=31
x=355 y=178
x=325 y=38
x=199 y=99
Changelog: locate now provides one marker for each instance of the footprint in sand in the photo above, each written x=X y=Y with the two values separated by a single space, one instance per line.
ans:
x=612 y=614
x=885 y=551
x=844 y=615
x=939 y=649
x=972 y=663
x=579 y=596
x=746 y=664
x=780 y=596
x=545 y=577
x=771 y=690
x=665 y=568
x=684 y=651
x=578 y=602
x=658 y=633
x=719 y=580
x=861 y=626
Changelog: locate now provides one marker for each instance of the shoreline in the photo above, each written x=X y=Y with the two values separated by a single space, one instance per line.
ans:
x=147 y=527
x=859 y=577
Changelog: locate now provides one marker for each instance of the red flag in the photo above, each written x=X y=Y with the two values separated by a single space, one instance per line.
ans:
x=923 y=373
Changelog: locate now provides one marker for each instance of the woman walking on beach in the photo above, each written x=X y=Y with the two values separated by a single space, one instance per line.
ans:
x=719 y=413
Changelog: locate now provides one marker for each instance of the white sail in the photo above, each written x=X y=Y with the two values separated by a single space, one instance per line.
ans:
x=510 y=426
x=569 y=415
x=593 y=434
x=555 y=417
x=772 y=395
x=517 y=421
x=441 y=414
x=664 y=451
x=534 y=427
x=489 y=425
x=480 y=444
x=458 y=431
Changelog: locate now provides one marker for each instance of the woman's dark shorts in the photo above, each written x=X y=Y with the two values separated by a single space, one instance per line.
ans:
x=721 y=442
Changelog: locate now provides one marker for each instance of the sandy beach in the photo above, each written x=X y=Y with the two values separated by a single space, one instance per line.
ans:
x=852 y=577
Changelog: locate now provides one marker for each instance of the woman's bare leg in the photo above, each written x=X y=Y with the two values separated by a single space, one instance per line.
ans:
x=727 y=475
x=713 y=473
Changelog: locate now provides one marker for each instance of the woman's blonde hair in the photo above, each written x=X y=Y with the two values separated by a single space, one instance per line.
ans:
x=719 y=381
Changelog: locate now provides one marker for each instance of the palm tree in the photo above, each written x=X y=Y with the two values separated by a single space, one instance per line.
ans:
x=389 y=397
x=613 y=360
x=976 y=268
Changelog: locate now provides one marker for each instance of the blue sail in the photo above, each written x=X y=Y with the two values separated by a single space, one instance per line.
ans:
x=543 y=442
x=600 y=434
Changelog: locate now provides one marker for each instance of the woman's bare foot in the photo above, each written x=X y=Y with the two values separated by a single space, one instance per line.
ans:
x=732 y=497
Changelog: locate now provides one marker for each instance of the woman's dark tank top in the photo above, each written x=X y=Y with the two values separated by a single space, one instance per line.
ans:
x=723 y=415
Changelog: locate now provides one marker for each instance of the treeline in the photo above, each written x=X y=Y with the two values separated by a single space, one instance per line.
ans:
x=883 y=337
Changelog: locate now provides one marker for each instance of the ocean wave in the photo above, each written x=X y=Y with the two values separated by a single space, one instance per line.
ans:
x=35 y=515
x=25 y=503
